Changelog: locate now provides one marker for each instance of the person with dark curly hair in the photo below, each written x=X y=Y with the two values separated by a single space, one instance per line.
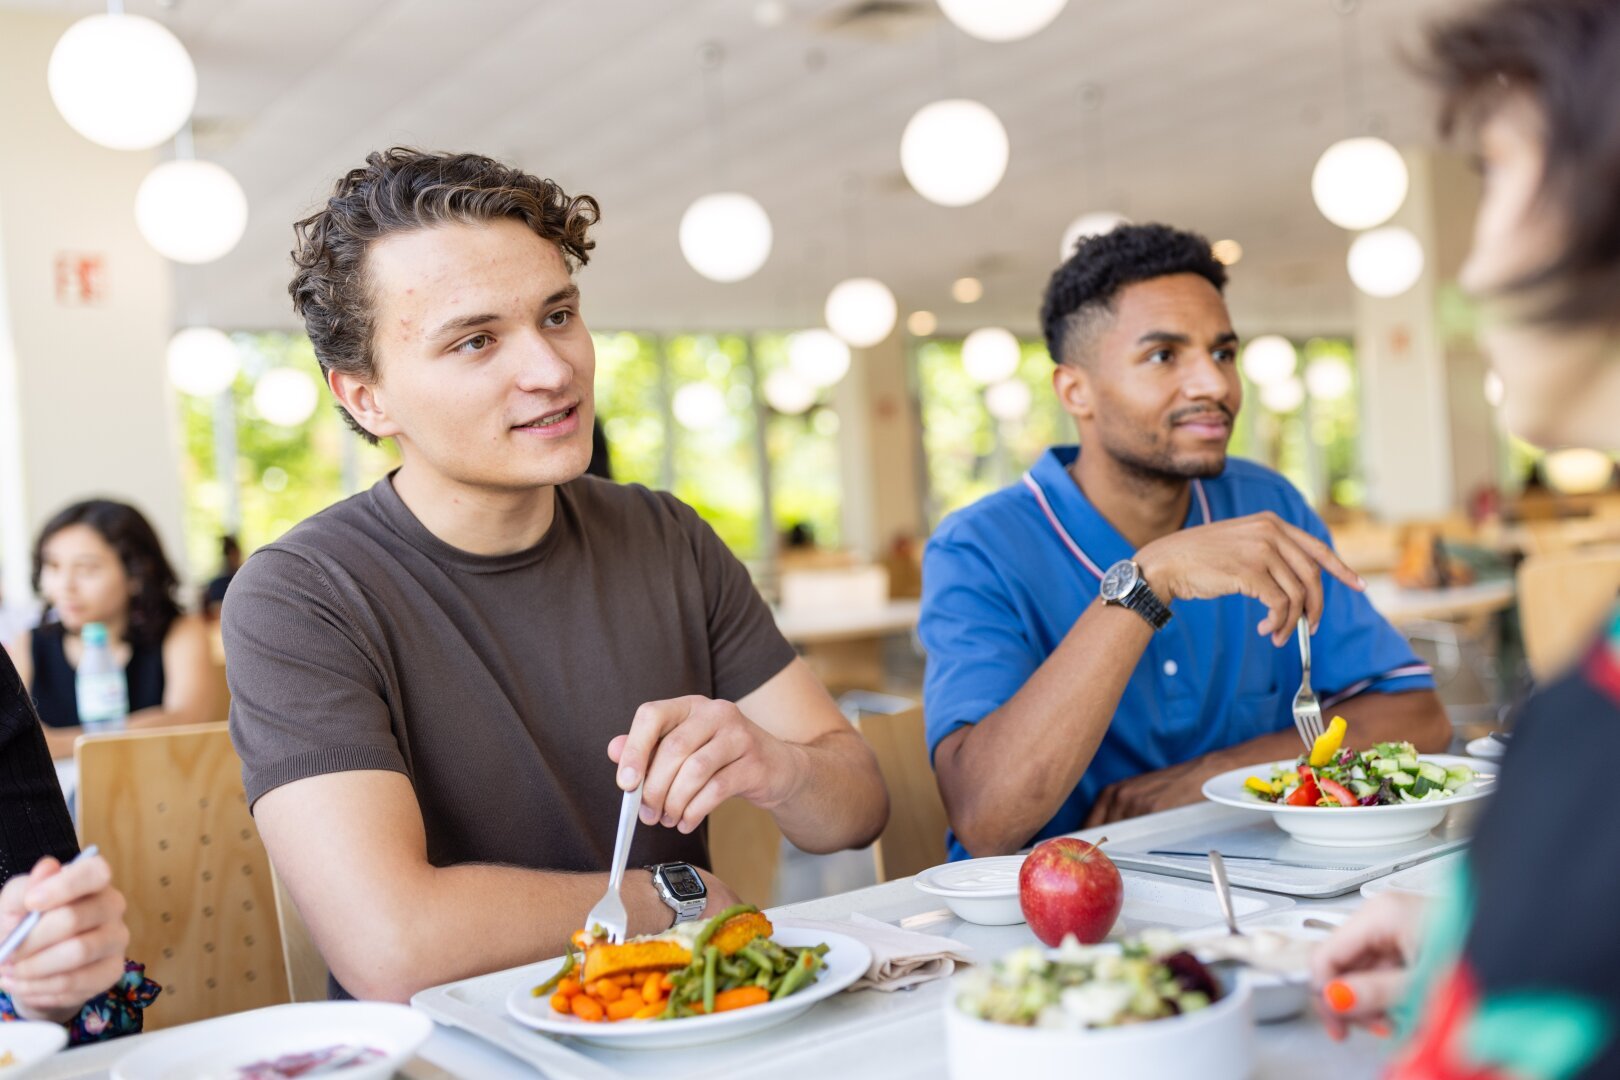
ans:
x=442 y=687
x=99 y=561
x=1118 y=627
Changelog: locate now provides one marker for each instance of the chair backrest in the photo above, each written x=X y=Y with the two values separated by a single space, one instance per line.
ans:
x=306 y=967
x=167 y=807
x=1562 y=599
x=914 y=838
x=745 y=847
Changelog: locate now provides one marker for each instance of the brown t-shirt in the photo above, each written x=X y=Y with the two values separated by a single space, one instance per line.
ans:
x=494 y=683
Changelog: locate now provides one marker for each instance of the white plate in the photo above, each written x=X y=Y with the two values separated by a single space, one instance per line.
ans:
x=983 y=891
x=847 y=960
x=29 y=1042
x=1361 y=826
x=218 y=1048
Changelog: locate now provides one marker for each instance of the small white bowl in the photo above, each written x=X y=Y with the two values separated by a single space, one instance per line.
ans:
x=983 y=891
x=30 y=1043
x=1216 y=1043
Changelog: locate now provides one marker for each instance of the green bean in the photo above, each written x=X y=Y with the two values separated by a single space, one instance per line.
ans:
x=567 y=969
x=711 y=958
x=754 y=956
x=803 y=970
x=717 y=922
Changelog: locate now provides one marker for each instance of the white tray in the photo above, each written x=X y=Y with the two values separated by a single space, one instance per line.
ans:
x=479 y=1005
x=1261 y=856
x=1426 y=879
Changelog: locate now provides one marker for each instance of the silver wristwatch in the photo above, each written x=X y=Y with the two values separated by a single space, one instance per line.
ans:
x=682 y=888
x=1124 y=586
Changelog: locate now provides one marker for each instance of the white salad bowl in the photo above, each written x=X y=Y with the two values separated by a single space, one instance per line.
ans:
x=1214 y=1043
x=983 y=891
x=1350 y=826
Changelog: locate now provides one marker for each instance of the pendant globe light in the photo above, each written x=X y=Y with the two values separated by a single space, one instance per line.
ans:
x=1008 y=400
x=285 y=397
x=1001 y=20
x=1269 y=358
x=191 y=211
x=862 y=311
x=1358 y=183
x=726 y=236
x=122 y=81
x=818 y=357
x=1283 y=396
x=954 y=152
x=699 y=406
x=990 y=354
x=1095 y=223
x=202 y=361
x=788 y=392
x=1385 y=262
x=1329 y=378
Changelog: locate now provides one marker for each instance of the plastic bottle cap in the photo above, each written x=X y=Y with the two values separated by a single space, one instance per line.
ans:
x=94 y=633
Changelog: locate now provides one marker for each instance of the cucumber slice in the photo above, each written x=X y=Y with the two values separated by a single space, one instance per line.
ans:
x=1362 y=788
x=1434 y=774
x=1403 y=779
x=1408 y=762
x=1358 y=773
x=1385 y=766
x=1422 y=786
x=1458 y=775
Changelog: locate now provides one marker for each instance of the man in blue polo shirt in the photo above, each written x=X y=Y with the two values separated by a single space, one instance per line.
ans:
x=1118 y=627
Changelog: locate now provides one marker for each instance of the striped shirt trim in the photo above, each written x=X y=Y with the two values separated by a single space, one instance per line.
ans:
x=1069 y=542
x=1364 y=685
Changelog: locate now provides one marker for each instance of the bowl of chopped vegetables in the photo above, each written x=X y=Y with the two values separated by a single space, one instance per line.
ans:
x=1144 y=1008
x=1337 y=797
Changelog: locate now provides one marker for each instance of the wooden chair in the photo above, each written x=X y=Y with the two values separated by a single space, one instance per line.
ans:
x=306 y=967
x=1562 y=599
x=914 y=838
x=167 y=807
x=745 y=847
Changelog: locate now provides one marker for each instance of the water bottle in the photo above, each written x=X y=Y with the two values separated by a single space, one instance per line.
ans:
x=100 y=684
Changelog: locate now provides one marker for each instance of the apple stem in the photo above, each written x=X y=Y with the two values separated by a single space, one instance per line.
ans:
x=1087 y=856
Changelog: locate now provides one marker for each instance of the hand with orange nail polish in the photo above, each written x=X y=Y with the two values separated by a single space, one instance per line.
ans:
x=1362 y=969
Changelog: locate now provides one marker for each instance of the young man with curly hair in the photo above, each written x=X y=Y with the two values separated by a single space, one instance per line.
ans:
x=1118 y=627
x=443 y=686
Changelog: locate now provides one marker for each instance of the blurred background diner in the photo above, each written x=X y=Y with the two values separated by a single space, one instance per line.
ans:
x=826 y=226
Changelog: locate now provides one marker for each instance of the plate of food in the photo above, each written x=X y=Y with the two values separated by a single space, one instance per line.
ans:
x=350 y=1040
x=1334 y=797
x=25 y=1044
x=699 y=982
x=1143 y=1008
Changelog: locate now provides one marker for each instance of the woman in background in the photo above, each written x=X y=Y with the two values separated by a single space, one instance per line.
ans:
x=1514 y=973
x=100 y=562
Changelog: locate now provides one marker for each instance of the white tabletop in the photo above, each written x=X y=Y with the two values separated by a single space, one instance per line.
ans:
x=1400 y=605
x=901 y=1037
x=807 y=626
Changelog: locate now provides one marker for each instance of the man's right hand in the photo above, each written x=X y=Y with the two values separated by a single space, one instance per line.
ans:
x=1261 y=556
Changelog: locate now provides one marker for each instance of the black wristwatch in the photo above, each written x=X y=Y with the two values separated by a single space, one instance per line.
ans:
x=1124 y=586
x=682 y=888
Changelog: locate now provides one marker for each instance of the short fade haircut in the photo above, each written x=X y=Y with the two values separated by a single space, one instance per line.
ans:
x=402 y=190
x=1565 y=55
x=1084 y=287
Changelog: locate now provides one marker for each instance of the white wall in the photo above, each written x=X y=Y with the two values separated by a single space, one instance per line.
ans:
x=83 y=394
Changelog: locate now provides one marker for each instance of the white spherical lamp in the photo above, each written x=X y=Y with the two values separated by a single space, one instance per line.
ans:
x=954 y=152
x=1008 y=400
x=285 y=397
x=862 y=311
x=1359 y=183
x=990 y=354
x=1578 y=471
x=1495 y=391
x=122 y=81
x=1385 y=262
x=788 y=392
x=1328 y=378
x=1283 y=396
x=1269 y=358
x=726 y=236
x=1001 y=20
x=699 y=406
x=202 y=361
x=1095 y=223
x=819 y=357
x=191 y=211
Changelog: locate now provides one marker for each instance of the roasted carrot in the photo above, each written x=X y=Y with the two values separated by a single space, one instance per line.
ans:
x=650 y=1011
x=586 y=1007
x=559 y=1001
x=653 y=989
x=606 y=991
x=570 y=988
x=623 y=1009
x=740 y=998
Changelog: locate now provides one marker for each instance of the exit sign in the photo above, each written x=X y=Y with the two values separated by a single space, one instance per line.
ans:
x=81 y=279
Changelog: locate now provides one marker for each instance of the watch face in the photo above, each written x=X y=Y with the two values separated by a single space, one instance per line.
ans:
x=683 y=882
x=1119 y=579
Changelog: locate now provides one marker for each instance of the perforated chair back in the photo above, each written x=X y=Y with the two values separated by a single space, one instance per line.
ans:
x=168 y=810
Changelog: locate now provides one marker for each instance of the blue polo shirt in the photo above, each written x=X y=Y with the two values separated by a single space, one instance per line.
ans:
x=1005 y=579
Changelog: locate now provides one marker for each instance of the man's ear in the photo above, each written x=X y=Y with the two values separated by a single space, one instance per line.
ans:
x=1074 y=388
x=363 y=401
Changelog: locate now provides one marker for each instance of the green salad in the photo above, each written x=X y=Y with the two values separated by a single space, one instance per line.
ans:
x=1077 y=986
x=1389 y=774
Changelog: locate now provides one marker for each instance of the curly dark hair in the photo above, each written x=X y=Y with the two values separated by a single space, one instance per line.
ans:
x=400 y=190
x=152 y=606
x=1085 y=285
x=1565 y=55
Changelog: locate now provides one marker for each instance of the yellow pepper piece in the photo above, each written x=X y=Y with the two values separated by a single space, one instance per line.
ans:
x=1327 y=747
x=1259 y=786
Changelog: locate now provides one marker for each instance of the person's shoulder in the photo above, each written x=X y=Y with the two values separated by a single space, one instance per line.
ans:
x=996 y=519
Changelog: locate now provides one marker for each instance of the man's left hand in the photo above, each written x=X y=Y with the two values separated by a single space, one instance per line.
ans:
x=696 y=753
x=1163 y=789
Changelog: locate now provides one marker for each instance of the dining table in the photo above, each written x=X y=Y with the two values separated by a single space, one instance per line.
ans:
x=893 y=1036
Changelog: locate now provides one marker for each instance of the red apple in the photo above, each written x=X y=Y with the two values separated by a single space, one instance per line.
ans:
x=1067 y=886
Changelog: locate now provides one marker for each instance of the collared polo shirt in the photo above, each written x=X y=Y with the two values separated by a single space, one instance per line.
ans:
x=1005 y=579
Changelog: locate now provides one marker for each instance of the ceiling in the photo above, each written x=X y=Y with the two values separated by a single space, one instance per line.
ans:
x=1207 y=115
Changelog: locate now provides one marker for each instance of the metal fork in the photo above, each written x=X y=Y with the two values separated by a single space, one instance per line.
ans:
x=1307 y=710
x=609 y=914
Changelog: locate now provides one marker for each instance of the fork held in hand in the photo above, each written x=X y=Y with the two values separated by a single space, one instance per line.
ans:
x=1307 y=710
x=609 y=914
